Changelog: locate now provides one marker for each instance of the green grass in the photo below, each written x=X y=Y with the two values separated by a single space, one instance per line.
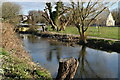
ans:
x=103 y=32
x=3 y=52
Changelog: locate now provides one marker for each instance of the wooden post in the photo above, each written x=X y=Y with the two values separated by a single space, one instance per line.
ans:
x=67 y=69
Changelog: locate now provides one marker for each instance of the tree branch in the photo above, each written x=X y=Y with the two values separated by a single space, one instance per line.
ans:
x=97 y=15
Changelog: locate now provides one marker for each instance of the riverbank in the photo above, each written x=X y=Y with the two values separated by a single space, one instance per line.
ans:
x=16 y=62
x=95 y=31
x=92 y=42
x=52 y=50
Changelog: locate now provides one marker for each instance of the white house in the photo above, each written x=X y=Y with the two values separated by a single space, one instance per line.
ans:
x=105 y=19
x=110 y=21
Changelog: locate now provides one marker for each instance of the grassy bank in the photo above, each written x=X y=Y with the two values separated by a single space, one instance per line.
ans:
x=103 y=32
x=16 y=61
x=15 y=68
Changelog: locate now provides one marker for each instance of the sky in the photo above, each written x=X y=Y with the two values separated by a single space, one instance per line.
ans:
x=26 y=6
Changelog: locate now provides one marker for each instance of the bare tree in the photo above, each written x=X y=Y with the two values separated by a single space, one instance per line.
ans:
x=10 y=12
x=116 y=16
x=84 y=13
x=36 y=16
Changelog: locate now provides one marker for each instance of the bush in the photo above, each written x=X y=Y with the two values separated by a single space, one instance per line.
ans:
x=10 y=12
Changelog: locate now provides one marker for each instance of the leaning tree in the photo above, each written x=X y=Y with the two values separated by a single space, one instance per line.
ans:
x=84 y=13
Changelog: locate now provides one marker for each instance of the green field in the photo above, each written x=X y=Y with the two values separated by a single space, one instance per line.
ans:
x=103 y=32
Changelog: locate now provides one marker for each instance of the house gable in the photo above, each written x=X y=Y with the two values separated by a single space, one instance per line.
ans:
x=110 y=21
x=105 y=19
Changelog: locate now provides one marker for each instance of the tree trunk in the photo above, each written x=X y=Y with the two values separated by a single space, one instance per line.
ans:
x=67 y=69
x=83 y=38
x=64 y=24
x=62 y=28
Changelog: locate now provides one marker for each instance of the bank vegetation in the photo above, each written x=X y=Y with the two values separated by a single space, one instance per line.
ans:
x=16 y=61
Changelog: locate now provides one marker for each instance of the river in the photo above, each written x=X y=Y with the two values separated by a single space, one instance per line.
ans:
x=92 y=63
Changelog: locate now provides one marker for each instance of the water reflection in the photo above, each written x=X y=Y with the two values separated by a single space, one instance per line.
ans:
x=93 y=63
x=84 y=65
x=32 y=38
x=54 y=50
x=82 y=62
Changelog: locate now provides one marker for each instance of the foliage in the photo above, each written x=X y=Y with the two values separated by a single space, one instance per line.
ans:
x=3 y=52
x=10 y=12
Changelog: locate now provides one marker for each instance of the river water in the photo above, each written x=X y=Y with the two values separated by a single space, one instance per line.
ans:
x=92 y=63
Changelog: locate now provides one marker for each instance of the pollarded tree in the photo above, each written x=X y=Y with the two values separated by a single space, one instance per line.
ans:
x=84 y=13
x=57 y=18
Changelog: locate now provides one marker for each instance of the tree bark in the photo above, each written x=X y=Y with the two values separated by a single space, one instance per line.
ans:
x=67 y=69
x=83 y=38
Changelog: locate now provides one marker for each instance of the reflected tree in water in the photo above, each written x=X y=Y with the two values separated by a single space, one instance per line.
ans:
x=54 y=50
x=84 y=65
x=49 y=55
x=58 y=53
x=32 y=38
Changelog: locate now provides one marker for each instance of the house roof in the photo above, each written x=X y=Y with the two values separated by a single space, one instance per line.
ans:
x=104 y=15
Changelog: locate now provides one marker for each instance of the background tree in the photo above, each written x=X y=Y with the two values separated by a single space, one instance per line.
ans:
x=10 y=12
x=32 y=17
x=41 y=18
x=116 y=16
x=84 y=13
x=36 y=16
